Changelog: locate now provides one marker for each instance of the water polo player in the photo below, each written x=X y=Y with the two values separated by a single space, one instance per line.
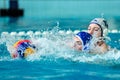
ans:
x=82 y=40
x=98 y=29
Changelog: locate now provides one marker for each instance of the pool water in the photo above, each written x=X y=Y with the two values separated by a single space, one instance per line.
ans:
x=54 y=60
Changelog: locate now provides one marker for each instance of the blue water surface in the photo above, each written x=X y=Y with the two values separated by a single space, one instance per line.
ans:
x=54 y=61
x=51 y=24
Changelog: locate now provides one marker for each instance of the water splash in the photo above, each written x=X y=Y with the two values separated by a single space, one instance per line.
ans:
x=52 y=46
x=102 y=15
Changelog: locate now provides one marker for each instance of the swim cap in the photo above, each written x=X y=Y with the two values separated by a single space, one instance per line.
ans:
x=24 y=48
x=103 y=25
x=84 y=37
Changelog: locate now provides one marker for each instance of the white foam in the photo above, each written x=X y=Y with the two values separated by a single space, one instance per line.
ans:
x=114 y=31
x=45 y=33
x=109 y=31
x=49 y=32
x=37 y=33
x=29 y=33
x=69 y=32
x=76 y=31
x=56 y=47
x=4 y=33
x=21 y=33
x=13 y=33
x=61 y=32
x=84 y=30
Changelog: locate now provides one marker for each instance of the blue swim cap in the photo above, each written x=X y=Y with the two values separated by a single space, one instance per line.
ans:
x=84 y=37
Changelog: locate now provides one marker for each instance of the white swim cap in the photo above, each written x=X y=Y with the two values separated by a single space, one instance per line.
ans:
x=103 y=25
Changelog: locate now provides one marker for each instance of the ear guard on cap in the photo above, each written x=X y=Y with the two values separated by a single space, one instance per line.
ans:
x=105 y=32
